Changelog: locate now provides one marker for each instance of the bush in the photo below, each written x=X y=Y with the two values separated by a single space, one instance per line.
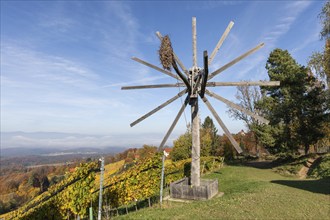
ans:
x=322 y=168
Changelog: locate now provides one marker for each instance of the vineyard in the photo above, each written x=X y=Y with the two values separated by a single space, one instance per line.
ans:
x=123 y=184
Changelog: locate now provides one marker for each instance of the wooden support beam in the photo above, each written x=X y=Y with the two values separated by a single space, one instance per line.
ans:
x=153 y=86
x=233 y=105
x=182 y=77
x=197 y=83
x=194 y=41
x=234 y=61
x=159 y=108
x=196 y=145
x=174 y=123
x=160 y=37
x=205 y=75
x=220 y=42
x=156 y=68
x=244 y=83
x=222 y=125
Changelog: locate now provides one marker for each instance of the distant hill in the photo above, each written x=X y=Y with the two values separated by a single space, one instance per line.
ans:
x=27 y=151
x=66 y=141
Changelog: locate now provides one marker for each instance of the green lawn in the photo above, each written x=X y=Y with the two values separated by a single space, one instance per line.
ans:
x=251 y=193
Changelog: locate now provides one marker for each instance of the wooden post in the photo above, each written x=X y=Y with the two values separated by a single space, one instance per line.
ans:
x=195 y=153
x=101 y=189
x=90 y=213
x=162 y=181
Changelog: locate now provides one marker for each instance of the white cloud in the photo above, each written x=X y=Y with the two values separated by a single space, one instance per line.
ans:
x=22 y=63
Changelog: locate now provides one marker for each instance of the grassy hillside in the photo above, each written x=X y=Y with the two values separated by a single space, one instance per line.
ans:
x=251 y=193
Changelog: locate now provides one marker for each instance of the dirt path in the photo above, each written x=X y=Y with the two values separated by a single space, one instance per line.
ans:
x=304 y=170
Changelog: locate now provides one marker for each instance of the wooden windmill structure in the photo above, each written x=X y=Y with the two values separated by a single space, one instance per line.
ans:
x=195 y=80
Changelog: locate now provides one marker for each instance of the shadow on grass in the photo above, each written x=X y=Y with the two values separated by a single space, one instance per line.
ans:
x=316 y=186
x=260 y=164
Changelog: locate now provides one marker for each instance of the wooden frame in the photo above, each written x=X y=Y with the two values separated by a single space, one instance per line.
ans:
x=195 y=82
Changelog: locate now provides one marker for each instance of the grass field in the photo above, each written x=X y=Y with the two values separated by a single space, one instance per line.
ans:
x=251 y=193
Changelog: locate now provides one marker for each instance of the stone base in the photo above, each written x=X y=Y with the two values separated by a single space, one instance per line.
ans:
x=181 y=189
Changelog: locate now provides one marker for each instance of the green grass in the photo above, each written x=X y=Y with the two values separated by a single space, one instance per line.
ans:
x=251 y=193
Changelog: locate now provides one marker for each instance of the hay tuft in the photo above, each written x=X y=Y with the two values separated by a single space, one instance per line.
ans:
x=166 y=53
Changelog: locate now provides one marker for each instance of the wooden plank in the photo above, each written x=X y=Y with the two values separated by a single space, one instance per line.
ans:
x=223 y=126
x=194 y=41
x=233 y=105
x=159 y=107
x=153 y=86
x=205 y=75
x=236 y=60
x=160 y=37
x=220 y=42
x=156 y=68
x=244 y=83
x=173 y=124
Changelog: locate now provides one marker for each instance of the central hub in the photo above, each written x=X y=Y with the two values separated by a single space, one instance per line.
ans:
x=195 y=76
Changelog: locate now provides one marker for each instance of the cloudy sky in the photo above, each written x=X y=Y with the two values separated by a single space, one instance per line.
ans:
x=63 y=62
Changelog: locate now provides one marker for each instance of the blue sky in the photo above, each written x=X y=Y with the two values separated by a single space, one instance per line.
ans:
x=63 y=62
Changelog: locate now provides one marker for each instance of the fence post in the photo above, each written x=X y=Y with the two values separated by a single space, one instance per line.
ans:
x=165 y=154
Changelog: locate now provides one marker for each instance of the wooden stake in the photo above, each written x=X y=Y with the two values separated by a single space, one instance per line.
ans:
x=223 y=126
x=244 y=83
x=156 y=68
x=159 y=107
x=153 y=86
x=236 y=60
x=194 y=41
x=233 y=105
x=173 y=124
x=220 y=42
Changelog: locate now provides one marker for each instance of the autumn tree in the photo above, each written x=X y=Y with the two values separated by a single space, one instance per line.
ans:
x=319 y=62
x=182 y=147
x=147 y=151
x=247 y=97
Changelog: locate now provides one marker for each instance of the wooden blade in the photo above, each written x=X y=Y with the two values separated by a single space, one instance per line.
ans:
x=153 y=86
x=174 y=123
x=244 y=83
x=222 y=125
x=233 y=105
x=159 y=35
x=156 y=68
x=235 y=61
x=194 y=41
x=205 y=75
x=220 y=42
x=159 y=107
